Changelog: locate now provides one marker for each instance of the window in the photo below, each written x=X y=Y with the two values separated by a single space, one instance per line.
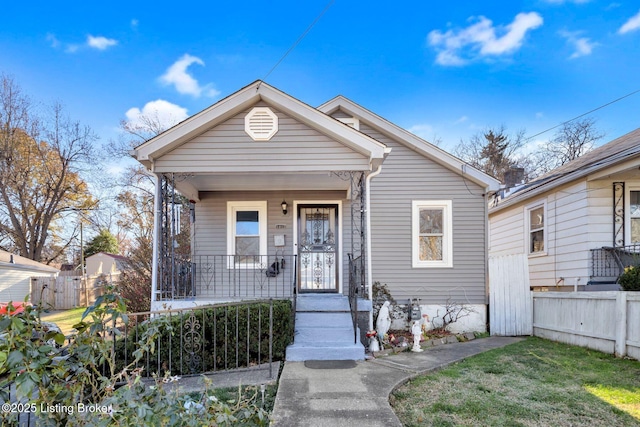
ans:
x=432 y=234
x=634 y=216
x=247 y=231
x=536 y=229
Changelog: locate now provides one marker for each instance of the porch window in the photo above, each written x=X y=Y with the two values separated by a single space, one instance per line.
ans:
x=634 y=216
x=247 y=232
x=432 y=234
x=537 y=229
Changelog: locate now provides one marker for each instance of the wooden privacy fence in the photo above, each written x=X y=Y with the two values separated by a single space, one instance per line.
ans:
x=509 y=296
x=64 y=292
x=604 y=321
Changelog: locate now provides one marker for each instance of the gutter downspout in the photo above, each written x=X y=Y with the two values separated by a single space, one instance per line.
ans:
x=155 y=293
x=368 y=216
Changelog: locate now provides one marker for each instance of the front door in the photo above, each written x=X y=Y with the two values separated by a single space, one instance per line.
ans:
x=318 y=248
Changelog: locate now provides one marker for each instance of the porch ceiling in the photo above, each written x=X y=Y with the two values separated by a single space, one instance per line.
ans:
x=261 y=182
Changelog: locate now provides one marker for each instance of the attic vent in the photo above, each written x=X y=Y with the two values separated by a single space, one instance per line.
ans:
x=350 y=121
x=261 y=124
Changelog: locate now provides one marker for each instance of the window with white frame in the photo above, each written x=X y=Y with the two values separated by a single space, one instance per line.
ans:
x=634 y=216
x=432 y=234
x=536 y=228
x=247 y=231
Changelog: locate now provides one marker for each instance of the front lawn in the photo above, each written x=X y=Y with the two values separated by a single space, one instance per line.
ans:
x=531 y=383
x=65 y=319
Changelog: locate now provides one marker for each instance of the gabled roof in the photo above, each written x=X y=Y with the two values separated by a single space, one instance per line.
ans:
x=621 y=150
x=411 y=141
x=9 y=260
x=245 y=98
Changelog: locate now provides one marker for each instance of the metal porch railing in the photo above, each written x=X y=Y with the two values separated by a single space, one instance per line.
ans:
x=231 y=277
x=608 y=263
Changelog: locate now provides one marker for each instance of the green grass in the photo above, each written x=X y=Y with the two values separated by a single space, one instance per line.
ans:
x=531 y=383
x=64 y=319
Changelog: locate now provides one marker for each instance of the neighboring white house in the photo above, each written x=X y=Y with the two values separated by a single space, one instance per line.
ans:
x=290 y=200
x=16 y=273
x=105 y=263
x=577 y=225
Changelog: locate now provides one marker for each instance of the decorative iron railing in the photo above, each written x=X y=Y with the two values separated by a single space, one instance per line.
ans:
x=204 y=339
x=231 y=278
x=608 y=263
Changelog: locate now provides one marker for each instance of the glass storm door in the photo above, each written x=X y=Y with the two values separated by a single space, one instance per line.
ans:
x=318 y=248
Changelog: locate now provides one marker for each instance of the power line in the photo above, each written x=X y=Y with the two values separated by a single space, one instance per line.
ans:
x=302 y=36
x=582 y=115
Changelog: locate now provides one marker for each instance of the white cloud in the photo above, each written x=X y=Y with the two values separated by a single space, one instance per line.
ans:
x=481 y=39
x=100 y=43
x=583 y=46
x=539 y=115
x=162 y=114
x=461 y=120
x=72 y=48
x=134 y=23
x=184 y=83
x=51 y=38
x=632 y=24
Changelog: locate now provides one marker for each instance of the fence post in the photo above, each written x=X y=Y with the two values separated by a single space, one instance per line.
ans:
x=270 y=338
x=621 y=324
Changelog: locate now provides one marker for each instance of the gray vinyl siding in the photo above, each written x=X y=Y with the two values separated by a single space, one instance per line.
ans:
x=210 y=228
x=407 y=176
x=227 y=148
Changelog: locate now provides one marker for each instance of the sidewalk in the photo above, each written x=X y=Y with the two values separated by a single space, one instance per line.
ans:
x=346 y=394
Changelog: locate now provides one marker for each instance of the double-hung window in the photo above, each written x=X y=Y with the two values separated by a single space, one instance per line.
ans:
x=634 y=216
x=432 y=234
x=536 y=228
x=247 y=232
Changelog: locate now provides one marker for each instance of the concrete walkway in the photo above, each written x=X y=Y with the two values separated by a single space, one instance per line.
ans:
x=344 y=396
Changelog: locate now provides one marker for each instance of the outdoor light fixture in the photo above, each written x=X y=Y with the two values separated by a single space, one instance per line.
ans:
x=284 y=207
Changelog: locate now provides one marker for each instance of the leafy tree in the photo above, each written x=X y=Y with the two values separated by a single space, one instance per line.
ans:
x=40 y=179
x=103 y=242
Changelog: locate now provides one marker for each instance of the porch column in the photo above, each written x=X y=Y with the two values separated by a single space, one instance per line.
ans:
x=157 y=212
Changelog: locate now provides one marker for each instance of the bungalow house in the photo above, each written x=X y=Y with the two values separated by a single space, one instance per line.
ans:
x=16 y=273
x=578 y=225
x=315 y=204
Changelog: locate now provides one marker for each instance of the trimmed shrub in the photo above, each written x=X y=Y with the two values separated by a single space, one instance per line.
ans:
x=215 y=338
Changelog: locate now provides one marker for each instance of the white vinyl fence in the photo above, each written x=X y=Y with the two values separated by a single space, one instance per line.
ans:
x=604 y=321
x=509 y=296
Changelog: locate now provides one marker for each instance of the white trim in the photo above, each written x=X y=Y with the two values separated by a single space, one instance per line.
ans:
x=527 y=228
x=447 y=233
x=340 y=265
x=367 y=192
x=628 y=188
x=232 y=208
x=412 y=141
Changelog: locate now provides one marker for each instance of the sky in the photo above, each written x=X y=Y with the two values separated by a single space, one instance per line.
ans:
x=441 y=69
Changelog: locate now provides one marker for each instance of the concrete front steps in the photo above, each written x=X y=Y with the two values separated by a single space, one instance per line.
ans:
x=324 y=330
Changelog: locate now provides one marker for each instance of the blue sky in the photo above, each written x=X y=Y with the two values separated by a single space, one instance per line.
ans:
x=445 y=70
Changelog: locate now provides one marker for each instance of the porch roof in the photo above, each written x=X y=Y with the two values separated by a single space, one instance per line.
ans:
x=234 y=104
